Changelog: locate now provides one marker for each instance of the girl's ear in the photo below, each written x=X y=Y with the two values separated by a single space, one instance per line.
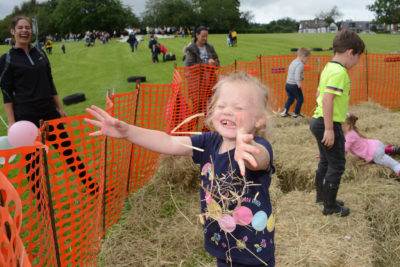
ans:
x=261 y=120
x=12 y=31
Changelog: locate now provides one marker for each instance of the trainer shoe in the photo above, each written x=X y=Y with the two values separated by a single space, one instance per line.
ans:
x=297 y=116
x=285 y=113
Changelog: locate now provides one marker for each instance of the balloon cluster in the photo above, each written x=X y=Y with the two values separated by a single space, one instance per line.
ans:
x=226 y=192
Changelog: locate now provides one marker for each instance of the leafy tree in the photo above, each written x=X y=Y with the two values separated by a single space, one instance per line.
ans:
x=220 y=16
x=80 y=15
x=285 y=25
x=386 y=11
x=169 y=12
x=329 y=16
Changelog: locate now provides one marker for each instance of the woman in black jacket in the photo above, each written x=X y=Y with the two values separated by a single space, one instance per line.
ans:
x=26 y=81
x=29 y=92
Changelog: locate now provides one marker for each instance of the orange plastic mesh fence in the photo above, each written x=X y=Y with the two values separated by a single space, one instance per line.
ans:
x=119 y=152
x=91 y=176
x=12 y=251
x=24 y=169
x=384 y=79
x=76 y=176
x=150 y=113
x=196 y=85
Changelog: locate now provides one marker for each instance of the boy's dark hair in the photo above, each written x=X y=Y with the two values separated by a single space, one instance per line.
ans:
x=345 y=40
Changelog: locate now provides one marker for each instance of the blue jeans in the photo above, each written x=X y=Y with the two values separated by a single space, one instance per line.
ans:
x=332 y=161
x=154 y=56
x=294 y=92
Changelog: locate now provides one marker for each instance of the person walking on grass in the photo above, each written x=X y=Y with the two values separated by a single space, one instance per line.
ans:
x=294 y=82
x=234 y=150
x=332 y=103
x=371 y=150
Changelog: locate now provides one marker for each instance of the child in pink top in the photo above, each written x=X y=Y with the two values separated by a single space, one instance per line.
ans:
x=368 y=149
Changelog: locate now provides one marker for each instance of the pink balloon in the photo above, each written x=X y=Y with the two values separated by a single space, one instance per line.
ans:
x=243 y=215
x=22 y=133
x=227 y=223
x=208 y=197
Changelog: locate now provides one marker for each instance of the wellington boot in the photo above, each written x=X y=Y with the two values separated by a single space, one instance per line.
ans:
x=319 y=184
x=330 y=203
x=396 y=150
x=321 y=201
x=342 y=211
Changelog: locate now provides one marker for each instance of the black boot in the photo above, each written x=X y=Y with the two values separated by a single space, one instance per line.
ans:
x=330 y=205
x=319 y=184
x=396 y=150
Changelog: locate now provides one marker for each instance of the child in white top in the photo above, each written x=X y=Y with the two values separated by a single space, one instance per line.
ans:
x=368 y=149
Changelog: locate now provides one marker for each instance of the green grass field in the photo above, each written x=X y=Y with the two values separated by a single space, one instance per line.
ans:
x=93 y=70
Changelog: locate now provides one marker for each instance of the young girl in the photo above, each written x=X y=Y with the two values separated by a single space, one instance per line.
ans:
x=236 y=166
x=368 y=149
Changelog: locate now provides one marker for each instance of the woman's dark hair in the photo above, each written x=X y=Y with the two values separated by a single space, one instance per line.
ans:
x=198 y=31
x=15 y=20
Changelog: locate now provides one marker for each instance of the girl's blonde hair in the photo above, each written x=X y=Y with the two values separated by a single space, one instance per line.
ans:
x=259 y=91
x=351 y=120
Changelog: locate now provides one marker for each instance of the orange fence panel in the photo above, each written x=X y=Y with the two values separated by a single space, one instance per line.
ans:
x=12 y=251
x=74 y=162
x=150 y=113
x=24 y=170
x=384 y=79
x=117 y=162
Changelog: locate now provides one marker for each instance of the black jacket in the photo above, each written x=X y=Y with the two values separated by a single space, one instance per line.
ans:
x=26 y=80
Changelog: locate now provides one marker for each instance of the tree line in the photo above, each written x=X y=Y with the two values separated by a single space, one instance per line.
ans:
x=62 y=17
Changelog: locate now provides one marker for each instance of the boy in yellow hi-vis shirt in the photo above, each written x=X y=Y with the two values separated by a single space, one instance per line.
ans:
x=332 y=102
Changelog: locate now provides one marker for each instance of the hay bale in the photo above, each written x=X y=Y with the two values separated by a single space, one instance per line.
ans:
x=382 y=198
x=304 y=237
x=181 y=172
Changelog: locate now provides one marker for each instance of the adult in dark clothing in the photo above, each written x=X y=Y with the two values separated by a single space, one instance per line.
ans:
x=153 y=46
x=199 y=51
x=28 y=89
x=132 y=40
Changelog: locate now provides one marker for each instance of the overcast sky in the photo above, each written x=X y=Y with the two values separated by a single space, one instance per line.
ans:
x=264 y=11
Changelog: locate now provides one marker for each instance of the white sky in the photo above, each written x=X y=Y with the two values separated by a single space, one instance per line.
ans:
x=264 y=11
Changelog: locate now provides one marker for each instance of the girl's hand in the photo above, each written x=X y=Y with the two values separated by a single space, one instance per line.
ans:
x=245 y=148
x=108 y=125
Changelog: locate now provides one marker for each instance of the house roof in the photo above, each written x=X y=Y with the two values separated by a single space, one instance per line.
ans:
x=313 y=24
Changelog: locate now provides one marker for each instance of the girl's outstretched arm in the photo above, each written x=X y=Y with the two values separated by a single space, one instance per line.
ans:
x=151 y=139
